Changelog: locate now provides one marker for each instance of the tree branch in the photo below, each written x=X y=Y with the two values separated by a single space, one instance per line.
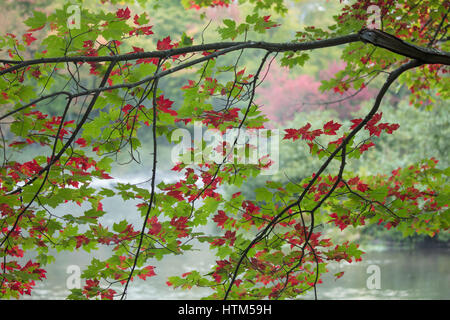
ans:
x=392 y=77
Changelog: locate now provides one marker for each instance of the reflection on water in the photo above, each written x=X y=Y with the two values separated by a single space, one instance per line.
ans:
x=405 y=274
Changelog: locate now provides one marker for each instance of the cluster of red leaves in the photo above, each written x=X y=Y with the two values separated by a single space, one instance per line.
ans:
x=221 y=218
x=196 y=4
x=125 y=14
x=339 y=253
x=92 y=289
x=304 y=133
x=345 y=220
x=165 y=105
x=21 y=286
x=330 y=128
x=268 y=272
x=127 y=234
x=188 y=189
x=373 y=127
x=410 y=195
x=216 y=118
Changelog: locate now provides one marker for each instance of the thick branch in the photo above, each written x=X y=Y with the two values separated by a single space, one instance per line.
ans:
x=373 y=36
x=384 y=40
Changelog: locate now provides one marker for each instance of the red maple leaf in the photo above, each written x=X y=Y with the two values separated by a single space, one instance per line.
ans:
x=155 y=226
x=294 y=134
x=126 y=109
x=149 y=272
x=81 y=240
x=230 y=236
x=136 y=20
x=36 y=73
x=177 y=194
x=164 y=44
x=291 y=134
x=217 y=242
x=235 y=195
x=331 y=127
x=123 y=14
x=362 y=187
x=355 y=122
x=28 y=38
x=266 y=18
x=82 y=142
x=366 y=146
x=220 y=218
x=338 y=275
x=180 y=224
x=353 y=181
x=164 y=105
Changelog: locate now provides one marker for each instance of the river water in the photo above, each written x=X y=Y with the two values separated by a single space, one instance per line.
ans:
x=403 y=273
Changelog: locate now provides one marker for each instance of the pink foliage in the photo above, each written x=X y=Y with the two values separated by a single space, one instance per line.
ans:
x=282 y=96
x=218 y=13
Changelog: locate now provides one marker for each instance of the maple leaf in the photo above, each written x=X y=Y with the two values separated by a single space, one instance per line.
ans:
x=5 y=95
x=230 y=236
x=164 y=44
x=108 y=294
x=305 y=128
x=389 y=128
x=15 y=252
x=36 y=73
x=88 y=44
x=376 y=117
x=149 y=272
x=123 y=14
x=366 y=146
x=82 y=142
x=81 y=240
x=218 y=242
x=176 y=194
x=106 y=176
x=28 y=38
x=353 y=181
x=266 y=18
x=126 y=109
x=311 y=135
x=164 y=105
x=136 y=20
x=294 y=134
x=362 y=187
x=355 y=122
x=155 y=226
x=338 y=275
x=220 y=218
x=177 y=167
x=180 y=225
x=331 y=127
x=291 y=134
